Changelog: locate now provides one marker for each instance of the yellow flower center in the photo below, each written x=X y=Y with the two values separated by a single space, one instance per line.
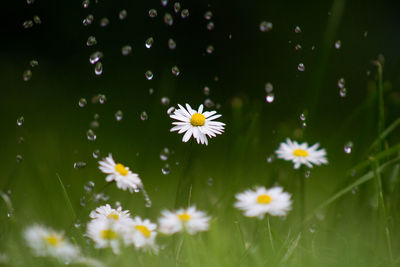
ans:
x=184 y=217
x=109 y=234
x=300 y=153
x=144 y=230
x=113 y=215
x=52 y=240
x=264 y=199
x=121 y=169
x=197 y=119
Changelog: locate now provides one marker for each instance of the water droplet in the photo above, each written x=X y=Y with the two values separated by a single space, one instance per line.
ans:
x=19 y=158
x=30 y=2
x=185 y=13
x=27 y=24
x=365 y=34
x=298 y=47
x=149 y=42
x=123 y=14
x=79 y=165
x=126 y=50
x=210 y=181
x=152 y=13
x=354 y=190
x=175 y=70
x=37 y=19
x=271 y=158
x=171 y=110
x=91 y=136
x=165 y=101
x=164 y=154
x=100 y=197
x=171 y=44
x=210 y=26
x=77 y=224
x=118 y=115
x=82 y=201
x=312 y=230
x=88 y=20
x=96 y=154
x=149 y=75
x=348 y=147
x=342 y=92
x=307 y=174
x=208 y=103
x=20 y=140
x=302 y=117
x=164 y=2
x=208 y=15
x=265 y=26
x=85 y=3
x=151 y=91
x=206 y=90
x=165 y=169
x=33 y=63
x=20 y=121
x=27 y=75
x=98 y=68
x=102 y=99
x=82 y=102
x=88 y=187
x=300 y=67
x=210 y=49
x=341 y=83
x=177 y=7
x=304 y=125
x=338 y=44
x=297 y=29
x=91 y=41
x=94 y=125
x=270 y=97
x=269 y=87
x=95 y=57
x=144 y=116
x=104 y=22
x=168 y=19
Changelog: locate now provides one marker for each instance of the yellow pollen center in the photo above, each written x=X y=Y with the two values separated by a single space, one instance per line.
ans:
x=144 y=230
x=112 y=215
x=197 y=119
x=52 y=240
x=121 y=169
x=263 y=199
x=300 y=153
x=184 y=217
x=109 y=234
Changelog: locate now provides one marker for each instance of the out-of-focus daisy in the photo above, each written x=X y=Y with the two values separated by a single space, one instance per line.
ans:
x=119 y=173
x=106 y=212
x=197 y=123
x=142 y=233
x=301 y=154
x=107 y=233
x=190 y=220
x=47 y=242
x=258 y=202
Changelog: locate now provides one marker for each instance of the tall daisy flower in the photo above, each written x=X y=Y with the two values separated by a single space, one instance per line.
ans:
x=301 y=154
x=197 y=123
x=258 y=202
x=106 y=212
x=142 y=233
x=107 y=233
x=47 y=242
x=119 y=173
x=190 y=220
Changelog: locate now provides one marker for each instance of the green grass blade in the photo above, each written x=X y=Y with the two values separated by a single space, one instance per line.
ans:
x=290 y=249
x=385 y=133
x=67 y=200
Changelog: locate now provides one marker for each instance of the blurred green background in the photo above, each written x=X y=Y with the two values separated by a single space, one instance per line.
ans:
x=348 y=232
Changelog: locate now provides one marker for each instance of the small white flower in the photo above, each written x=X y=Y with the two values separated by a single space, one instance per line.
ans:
x=301 y=154
x=142 y=233
x=107 y=233
x=119 y=173
x=47 y=242
x=190 y=220
x=106 y=212
x=261 y=201
x=197 y=123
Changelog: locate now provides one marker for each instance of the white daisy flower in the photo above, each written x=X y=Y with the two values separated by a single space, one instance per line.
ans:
x=301 y=154
x=107 y=233
x=142 y=233
x=106 y=212
x=190 y=220
x=197 y=123
x=119 y=173
x=261 y=201
x=47 y=242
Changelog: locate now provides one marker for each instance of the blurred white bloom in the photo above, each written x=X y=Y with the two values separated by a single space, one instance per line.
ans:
x=107 y=233
x=47 y=242
x=106 y=212
x=301 y=154
x=190 y=220
x=261 y=201
x=142 y=233
x=197 y=123
x=119 y=173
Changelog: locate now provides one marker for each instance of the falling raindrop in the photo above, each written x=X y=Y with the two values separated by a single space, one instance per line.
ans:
x=152 y=13
x=185 y=13
x=164 y=154
x=168 y=19
x=96 y=153
x=342 y=92
x=210 y=26
x=298 y=47
x=88 y=187
x=151 y=91
x=297 y=29
x=270 y=97
x=210 y=49
x=208 y=103
x=171 y=44
x=91 y=136
x=171 y=110
x=88 y=20
x=144 y=116
x=95 y=57
x=304 y=125
x=37 y=19
x=79 y=165
x=206 y=90
x=269 y=87
x=354 y=190
x=94 y=124
x=300 y=67
x=91 y=41
x=126 y=50
x=271 y=158
x=265 y=26
x=348 y=147
x=165 y=169
x=365 y=34
x=123 y=14
x=20 y=140
x=97 y=116
x=20 y=121
x=104 y=22
x=33 y=63
x=98 y=69
x=100 y=197
x=177 y=7
x=118 y=115
x=338 y=44
x=27 y=24
x=210 y=181
x=165 y=100
x=85 y=3
x=82 y=102
x=149 y=75
x=82 y=201
x=149 y=42
x=27 y=75
x=30 y=2
x=302 y=117
x=341 y=83
x=175 y=70
x=19 y=158
x=208 y=15
x=102 y=99
x=307 y=174
x=164 y=2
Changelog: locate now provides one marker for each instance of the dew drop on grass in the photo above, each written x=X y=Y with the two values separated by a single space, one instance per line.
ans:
x=95 y=57
x=206 y=90
x=270 y=97
x=104 y=22
x=175 y=70
x=164 y=154
x=96 y=154
x=185 y=13
x=168 y=19
x=19 y=158
x=342 y=92
x=177 y=7
x=27 y=24
x=79 y=165
x=149 y=42
x=98 y=69
x=210 y=26
x=348 y=147
x=144 y=116
x=126 y=50
x=171 y=44
x=164 y=2
x=88 y=20
x=123 y=14
x=208 y=103
x=149 y=75
x=298 y=47
x=88 y=187
x=82 y=102
x=91 y=41
x=297 y=29
x=33 y=63
x=171 y=110
x=20 y=121
x=152 y=13
x=27 y=75
x=37 y=19
x=165 y=100
x=269 y=87
x=208 y=15
x=301 y=67
x=118 y=115
x=210 y=49
x=165 y=169
x=91 y=136
x=265 y=26
x=338 y=44
x=85 y=3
